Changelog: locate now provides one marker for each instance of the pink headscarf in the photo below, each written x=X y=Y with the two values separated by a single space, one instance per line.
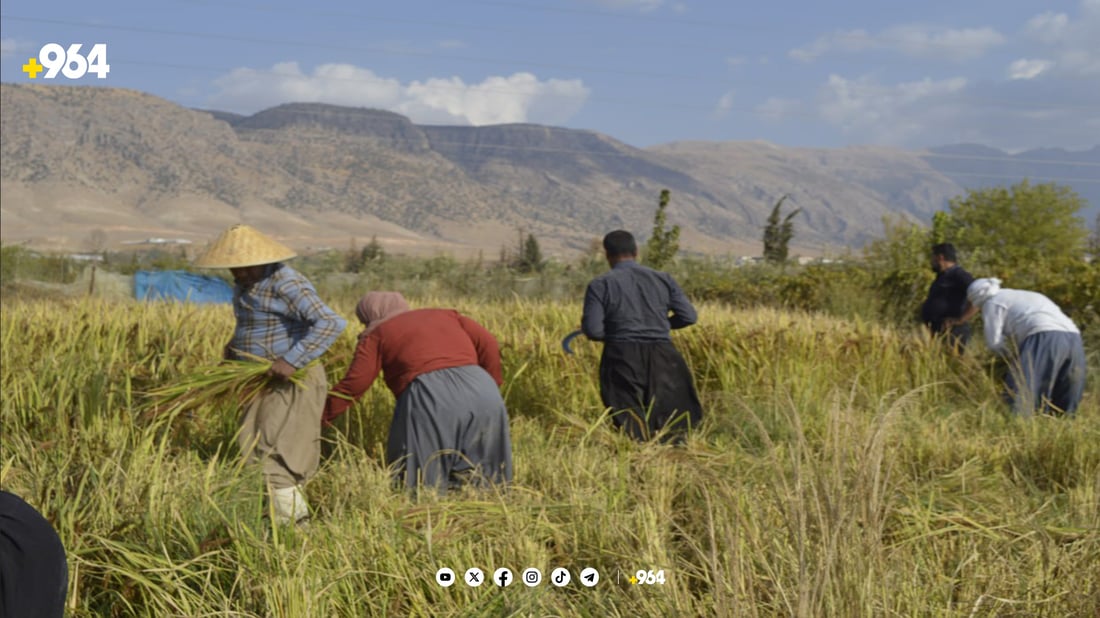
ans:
x=377 y=307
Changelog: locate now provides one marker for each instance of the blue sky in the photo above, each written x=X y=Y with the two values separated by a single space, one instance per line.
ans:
x=1006 y=73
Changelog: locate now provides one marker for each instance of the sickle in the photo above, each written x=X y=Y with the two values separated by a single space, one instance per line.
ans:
x=568 y=341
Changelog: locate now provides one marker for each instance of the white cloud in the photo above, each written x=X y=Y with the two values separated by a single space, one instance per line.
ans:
x=520 y=97
x=1026 y=68
x=1003 y=113
x=1082 y=61
x=914 y=40
x=1071 y=40
x=884 y=113
x=724 y=105
x=1045 y=95
x=10 y=47
x=778 y=108
x=639 y=5
x=847 y=40
x=736 y=61
x=965 y=43
x=1048 y=27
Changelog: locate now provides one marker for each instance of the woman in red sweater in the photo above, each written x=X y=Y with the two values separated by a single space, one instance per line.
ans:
x=450 y=424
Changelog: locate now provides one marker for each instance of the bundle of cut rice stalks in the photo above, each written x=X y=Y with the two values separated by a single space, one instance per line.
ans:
x=230 y=383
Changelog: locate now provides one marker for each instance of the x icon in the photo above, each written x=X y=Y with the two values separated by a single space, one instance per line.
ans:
x=474 y=577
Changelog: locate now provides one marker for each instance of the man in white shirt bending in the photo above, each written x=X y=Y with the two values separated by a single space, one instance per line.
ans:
x=1048 y=372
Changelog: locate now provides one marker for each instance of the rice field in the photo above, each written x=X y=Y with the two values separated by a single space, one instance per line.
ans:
x=845 y=468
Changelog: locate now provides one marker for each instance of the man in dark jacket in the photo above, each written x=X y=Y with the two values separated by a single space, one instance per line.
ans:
x=34 y=576
x=643 y=377
x=947 y=297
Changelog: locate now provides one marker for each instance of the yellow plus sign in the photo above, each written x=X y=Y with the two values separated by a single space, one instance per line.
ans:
x=633 y=580
x=32 y=68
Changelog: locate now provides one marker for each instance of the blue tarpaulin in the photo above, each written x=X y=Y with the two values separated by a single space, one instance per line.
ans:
x=181 y=286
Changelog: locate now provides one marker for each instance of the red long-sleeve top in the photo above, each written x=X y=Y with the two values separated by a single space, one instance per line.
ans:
x=410 y=344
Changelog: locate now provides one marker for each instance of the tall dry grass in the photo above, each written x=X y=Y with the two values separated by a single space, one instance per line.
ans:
x=844 y=469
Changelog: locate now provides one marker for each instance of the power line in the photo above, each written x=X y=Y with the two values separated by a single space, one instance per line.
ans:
x=925 y=154
x=662 y=19
x=655 y=158
x=442 y=85
x=352 y=48
x=450 y=25
x=659 y=19
x=856 y=88
x=1008 y=159
x=633 y=102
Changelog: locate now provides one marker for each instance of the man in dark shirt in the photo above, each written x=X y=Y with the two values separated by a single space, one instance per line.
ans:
x=34 y=576
x=947 y=296
x=643 y=377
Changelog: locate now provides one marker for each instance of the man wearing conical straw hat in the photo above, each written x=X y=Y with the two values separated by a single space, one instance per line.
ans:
x=279 y=318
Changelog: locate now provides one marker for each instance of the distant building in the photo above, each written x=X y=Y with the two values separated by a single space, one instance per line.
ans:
x=158 y=241
x=818 y=260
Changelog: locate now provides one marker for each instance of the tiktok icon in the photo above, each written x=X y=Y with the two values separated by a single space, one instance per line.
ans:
x=560 y=577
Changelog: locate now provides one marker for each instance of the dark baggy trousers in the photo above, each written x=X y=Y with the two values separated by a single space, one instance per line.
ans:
x=648 y=387
x=1048 y=375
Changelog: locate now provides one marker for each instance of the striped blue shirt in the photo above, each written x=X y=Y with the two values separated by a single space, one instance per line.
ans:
x=281 y=316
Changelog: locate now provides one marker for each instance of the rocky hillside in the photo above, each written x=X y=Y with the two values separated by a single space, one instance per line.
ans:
x=83 y=159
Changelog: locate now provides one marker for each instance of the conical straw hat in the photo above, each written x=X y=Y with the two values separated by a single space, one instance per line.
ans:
x=243 y=245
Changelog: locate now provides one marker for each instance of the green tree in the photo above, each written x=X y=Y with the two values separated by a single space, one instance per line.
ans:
x=1094 y=242
x=351 y=258
x=778 y=233
x=664 y=242
x=96 y=242
x=530 y=257
x=941 y=223
x=898 y=264
x=1020 y=233
x=372 y=252
x=592 y=261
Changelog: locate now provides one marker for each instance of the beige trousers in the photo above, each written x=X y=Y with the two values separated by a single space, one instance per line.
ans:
x=281 y=428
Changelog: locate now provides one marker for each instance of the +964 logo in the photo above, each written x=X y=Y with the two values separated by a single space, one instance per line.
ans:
x=54 y=59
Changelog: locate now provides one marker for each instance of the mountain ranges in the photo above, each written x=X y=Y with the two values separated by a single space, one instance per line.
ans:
x=87 y=168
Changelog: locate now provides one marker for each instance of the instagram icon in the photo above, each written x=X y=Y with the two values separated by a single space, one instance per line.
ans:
x=532 y=577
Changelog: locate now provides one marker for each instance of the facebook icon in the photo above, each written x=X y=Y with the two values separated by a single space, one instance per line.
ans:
x=502 y=577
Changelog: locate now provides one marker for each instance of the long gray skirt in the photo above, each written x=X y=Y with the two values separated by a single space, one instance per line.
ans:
x=450 y=427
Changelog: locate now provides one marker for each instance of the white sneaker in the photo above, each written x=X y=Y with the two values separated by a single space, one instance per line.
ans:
x=289 y=504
